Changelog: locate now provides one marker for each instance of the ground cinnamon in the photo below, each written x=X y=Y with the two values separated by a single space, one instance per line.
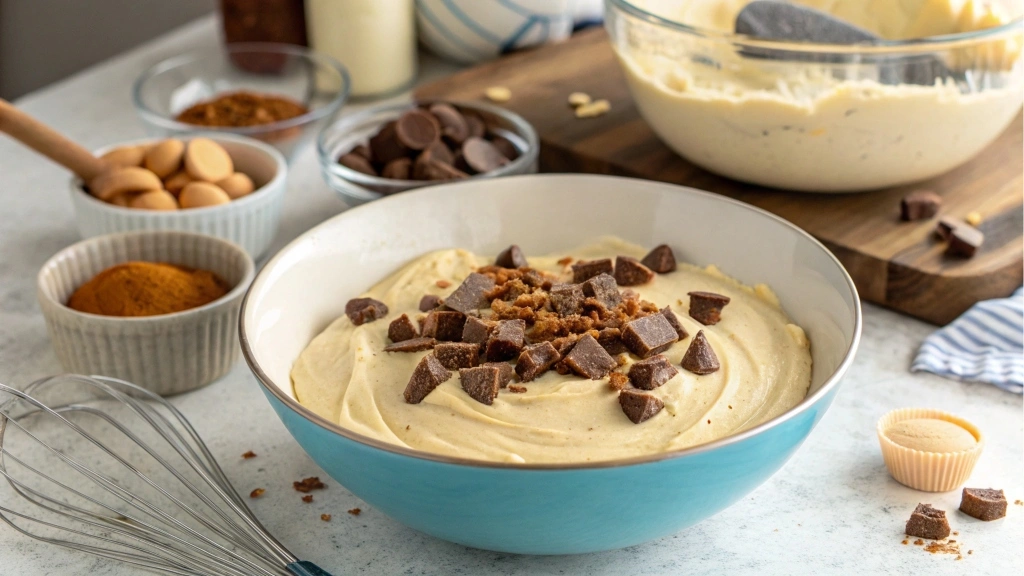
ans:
x=237 y=109
x=147 y=289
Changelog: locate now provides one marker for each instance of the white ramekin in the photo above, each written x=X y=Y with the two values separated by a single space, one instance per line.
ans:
x=250 y=222
x=167 y=354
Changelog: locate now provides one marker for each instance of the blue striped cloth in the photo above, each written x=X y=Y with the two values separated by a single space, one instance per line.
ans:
x=985 y=344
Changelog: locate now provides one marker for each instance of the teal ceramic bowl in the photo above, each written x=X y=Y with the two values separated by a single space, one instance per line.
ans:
x=547 y=509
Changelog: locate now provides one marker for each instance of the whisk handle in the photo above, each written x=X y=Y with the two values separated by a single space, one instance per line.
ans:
x=305 y=568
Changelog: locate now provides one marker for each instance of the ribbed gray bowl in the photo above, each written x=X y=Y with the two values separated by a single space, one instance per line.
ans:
x=168 y=354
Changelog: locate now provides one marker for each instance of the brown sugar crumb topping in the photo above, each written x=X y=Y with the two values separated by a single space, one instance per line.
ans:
x=249 y=454
x=516 y=389
x=307 y=498
x=241 y=109
x=443 y=283
x=256 y=493
x=325 y=517
x=309 y=484
x=617 y=380
x=355 y=511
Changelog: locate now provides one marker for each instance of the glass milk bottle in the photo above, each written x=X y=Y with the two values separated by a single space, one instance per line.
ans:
x=374 y=39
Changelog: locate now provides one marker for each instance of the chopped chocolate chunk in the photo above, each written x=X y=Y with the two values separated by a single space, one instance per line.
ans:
x=944 y=228
x=437 y=152
x=511 y=257
x=429 y=374
x=357 y=163
x=385 y=145
x=650 y=373
x=983 y=503
x=453 y=123
x=456 y=355
x=470 y=295
x=402 y=329
x=481 y=155
x=533 y=279
x=477 y=331
x=398 y=169
x=638 y=406
x=611 y=340
x=565 y=344
x=363 y=310
x=585 y=270
x=505 y=372
x=604 y=289
x=517 y=389
x=674 y=321
x=411 y=345
x=536 y=360
x=617 y=380
x=919 y=205
x=481 y=383
x=429 y=302
x=630 y=272
x=649 y=335
x=964 y=241
x=706 y=307
x=417 y=129
x=588 y=359
x=506 y=341
x=700 y=358
x=566 y=299
x=927 y=522
x=660 y=259
x=444 y=325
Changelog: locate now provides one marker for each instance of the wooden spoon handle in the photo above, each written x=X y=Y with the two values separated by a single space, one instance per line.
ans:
x=49 y=142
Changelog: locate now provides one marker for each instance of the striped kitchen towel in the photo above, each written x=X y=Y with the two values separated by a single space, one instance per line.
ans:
x=985 y=344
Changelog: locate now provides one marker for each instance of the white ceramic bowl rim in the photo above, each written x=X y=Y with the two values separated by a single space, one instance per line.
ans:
x=241 y=286
x=237 y=47
x=810 y=400
x=280 y=175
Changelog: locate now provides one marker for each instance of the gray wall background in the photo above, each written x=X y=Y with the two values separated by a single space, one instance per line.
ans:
x=42 y=41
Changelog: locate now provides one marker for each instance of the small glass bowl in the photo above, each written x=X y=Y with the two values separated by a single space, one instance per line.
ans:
x=316 y=81
x=346 y=133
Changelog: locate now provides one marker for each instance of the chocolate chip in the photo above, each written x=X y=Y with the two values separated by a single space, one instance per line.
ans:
x=363 y=310
x=456 y=355
x=505 y=372
x=588 y=359
x=945 y=226
x=385 y=145
x=481 y=155
x=417 y=129
x=355 y=162
x=649 y=335
x=566 y=299
x=429 y=374
x=536 y=360
x=429 y=302
x=506 y=147
x=402 y=329
x=920 y=205
x=481 y=383
x=964 y=241
x=506 y=341
x=700 y=358
x=364 y=151
x=927 y=522
x=586 y=269
x=453 y=124
x=476 y=124
x=477 y=331
x=438 y=152
x=511 y=257
x=638 y=406
x=983 y=503
x=706 y=307
x=398 y=169
x=427 y=169
x=660 y=259
x=604 y=289
x=674 y=321
x=470 y=295
x=444 y=325
x=411 y=345
x=630 y=272
x=652 y=372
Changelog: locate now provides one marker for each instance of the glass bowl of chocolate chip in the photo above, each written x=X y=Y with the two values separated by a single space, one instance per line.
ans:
x=394 y=148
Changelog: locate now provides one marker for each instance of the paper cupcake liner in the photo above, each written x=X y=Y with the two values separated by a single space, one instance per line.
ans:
x=928 y=471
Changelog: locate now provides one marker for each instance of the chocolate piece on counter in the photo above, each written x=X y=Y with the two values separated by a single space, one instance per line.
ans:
x=402 y=329
x=511 y=257
x=706 y=307
x=630 y=272
x=429 y=374
x=927 y=522
x=356 y=162
x=586 y=269
x=438 y=152
x=945 y=226
x=481 y=383
x=536 y=360
x=983 y=503
x=919 y=205
x=964 y=241
x=566 y=299
x=611 y=340
x=604 y=289
x=700 y=358
x=660 y=259
x=411 y=345
x=481 y=155
x=456 y=355
x=650 y=373
x=638 y=406
x=429 y=302
x=417 y=129
x=506 y=147
x=444 y=325
x=588 y=359
x=505 y=372
x=385 y=145
x=476 y=124
x=470 y=295
x=453 y=124
x=674 y=321
x=506 y=341
x=649 y=335
x=363 y=310
x=364 y=151
x=398 y=169
x=477 y=331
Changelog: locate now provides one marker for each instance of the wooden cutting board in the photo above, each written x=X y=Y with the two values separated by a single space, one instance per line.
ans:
x=896 y=264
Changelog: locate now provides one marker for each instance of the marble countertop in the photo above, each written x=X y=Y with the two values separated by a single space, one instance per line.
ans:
x=832 y=509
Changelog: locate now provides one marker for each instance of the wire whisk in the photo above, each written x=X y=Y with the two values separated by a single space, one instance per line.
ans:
x=105 y=467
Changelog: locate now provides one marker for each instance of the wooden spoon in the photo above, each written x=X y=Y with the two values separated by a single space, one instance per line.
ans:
x=50 y=143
